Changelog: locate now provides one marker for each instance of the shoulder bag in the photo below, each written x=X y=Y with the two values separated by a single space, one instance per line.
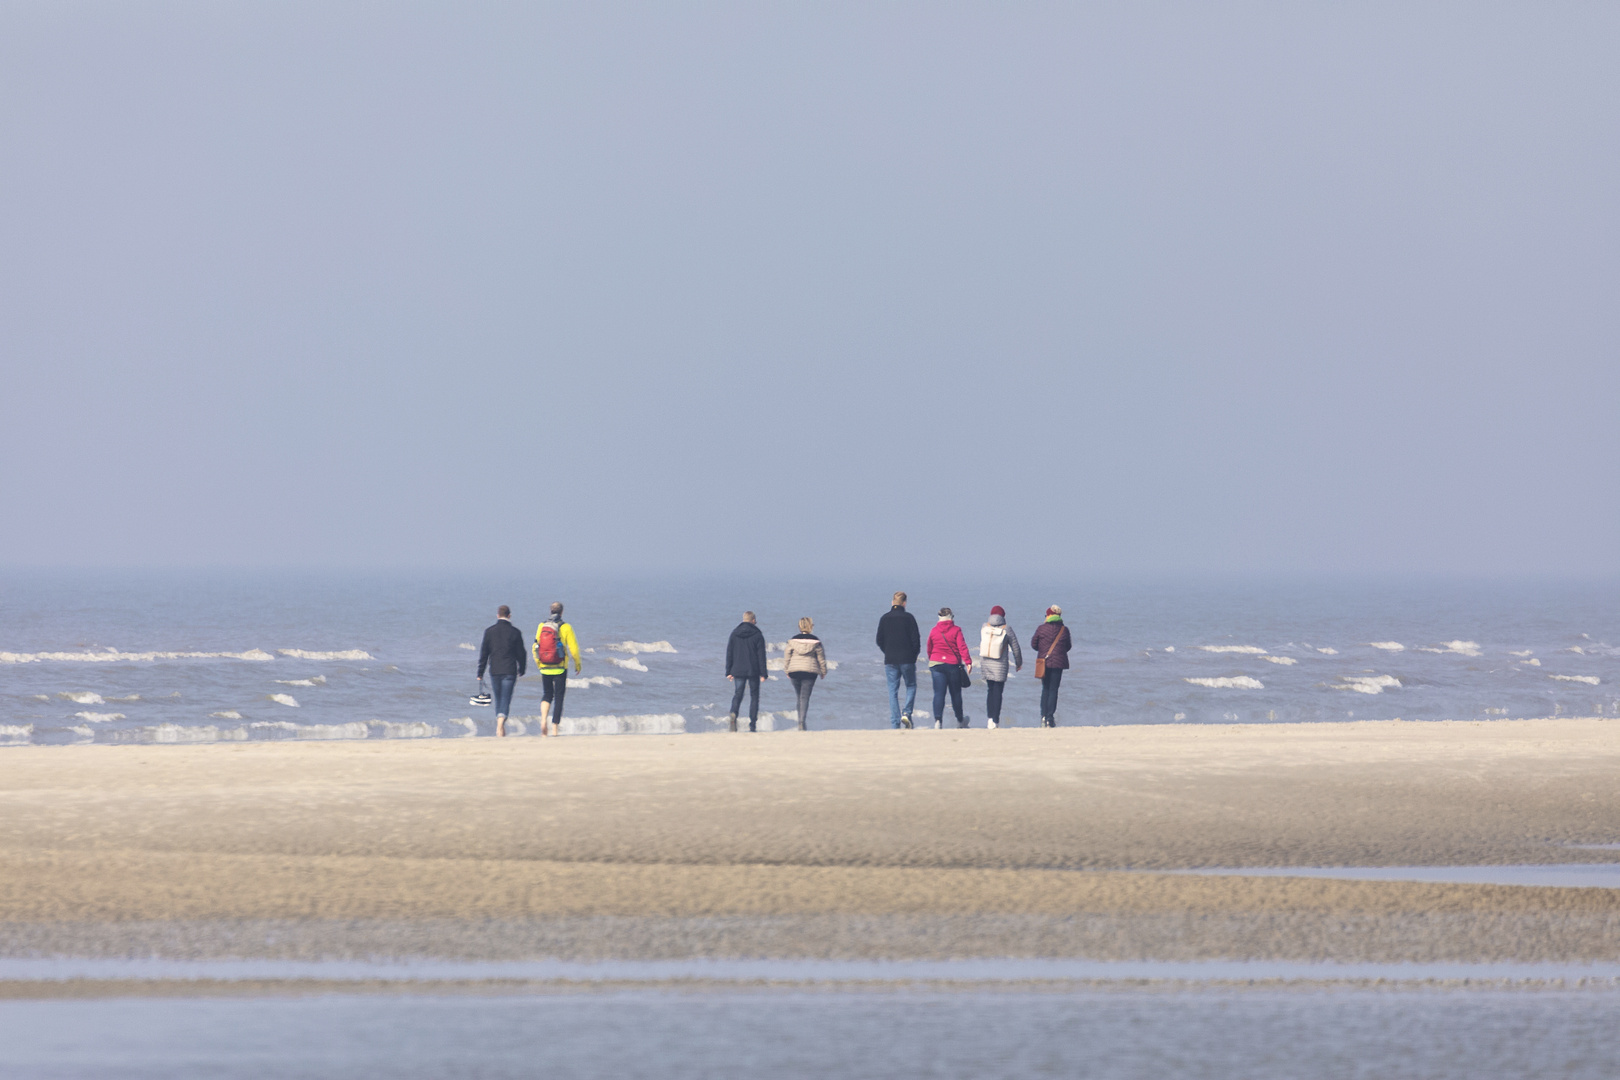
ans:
x=1040 y=661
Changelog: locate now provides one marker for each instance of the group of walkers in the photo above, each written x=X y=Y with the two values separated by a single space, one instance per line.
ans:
x=950 y=664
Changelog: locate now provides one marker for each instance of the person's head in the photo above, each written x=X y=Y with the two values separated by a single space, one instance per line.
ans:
x=806 y=625
x=748 y=617
x=899 y=599
x=503 y=612
x=1054 y=610
x=556 y=608
x=946 y=613
x=999 y=610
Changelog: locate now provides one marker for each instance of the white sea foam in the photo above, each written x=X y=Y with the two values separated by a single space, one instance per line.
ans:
x=464 y=724
x=1388 y=646
x=317 y=680
x=1576 y=649
x=82 y=697
x=776 y=663
x=1366 y=684
x=466 y=645
x=99 y=717
x=1531 y=663
x=84 y=733
x=1247 y=650
x=642 y=646
x=342 y=654
x=177 y=733
x=113 y=655
x=268 y=728
x=1458 y=648
x=126 y=698
x=775 y=646
x=582 y=681
x=1590 y=680
x=16 y=734
x=228 y=714
x=42 y=697
x=1523 y=652
x=383 y=729
x=647 y=724
x=1237 y=682
x=1286 y=661
x=631 y=664
x=1328 y=651
x=285 y=699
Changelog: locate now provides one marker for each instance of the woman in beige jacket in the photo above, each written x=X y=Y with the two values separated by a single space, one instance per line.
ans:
x=804 y=659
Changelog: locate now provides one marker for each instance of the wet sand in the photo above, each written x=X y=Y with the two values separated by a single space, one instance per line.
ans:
x=827 y=844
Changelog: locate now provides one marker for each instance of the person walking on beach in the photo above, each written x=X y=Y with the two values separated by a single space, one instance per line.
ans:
x=998 y=649
x=505 y=657
x=745 y=666
x=901 y=641
x=554 y=645
x=948 y=663
x=1050 y=644
x=805 y=660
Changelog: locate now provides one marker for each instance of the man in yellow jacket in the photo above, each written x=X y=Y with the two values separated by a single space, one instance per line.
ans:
x=554 y=644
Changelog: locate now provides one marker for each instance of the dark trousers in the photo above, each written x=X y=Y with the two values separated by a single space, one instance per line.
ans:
x=803 y=683
x=502 y=686
x=552 y=689
x=992 y=699
x=1049 y=689
x=947 y=678
x=751 y=684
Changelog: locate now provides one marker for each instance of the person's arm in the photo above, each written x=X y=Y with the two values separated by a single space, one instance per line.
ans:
x=821 y=659
x=961 y=647
x=760 y=663
x=880 y=634
x=1066 y=642
x=731 y=653
x=483 y=655
x=522 y=651
x=916 y=634
x=1017 y=653
x=572 y=643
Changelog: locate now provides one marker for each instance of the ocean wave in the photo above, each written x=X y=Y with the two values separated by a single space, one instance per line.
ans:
x=228 y=714
x=1523 y=652
x=1236 y=682
x=767 y=721
x=582 y=681
x=113 y=655
x=776 y=663
x=16 y=734
x=648 y=724
x=284 y=699
x=99 y=717
x=1531 y=662
x=314 y=680
x=1328 y=651
x=1388 y=646
x=173 y=734
x=269 y=728
x=1366 y=684
x=343 y=654
x=1590 y=680
x=1169 y=648
x=410 y=729
x=467 y=645
x=126 y=698
x=42 y=697
x=85 y=734
x=82 y=697
x=631 y=664
x=775 y=646
x=642 y=646
x=1247 y=650
x=1457 y=648
x=465 y=724
x=1286 y=661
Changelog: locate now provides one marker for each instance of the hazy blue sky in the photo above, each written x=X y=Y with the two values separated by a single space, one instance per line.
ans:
x=812 y=289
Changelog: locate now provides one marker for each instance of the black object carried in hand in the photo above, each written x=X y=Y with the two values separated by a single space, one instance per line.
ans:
x=482 y=697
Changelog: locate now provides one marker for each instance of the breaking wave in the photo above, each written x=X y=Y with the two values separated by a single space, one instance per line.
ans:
x=650 y=724
x=16 y=734
x=1388 y=646
x=176 y=733
x=1590 y=680
x=642 y=646
x=464 y=724
x=1366 y=684
x=99 y=717
x=317 y=680
x=1286 y=661
x=82 y=697
x=631 y=664
x=228 y=714
x=284 y=699
x=344 y=654
x=1236 y=682
x=1328 y=650
x=1459 y=648
x=285 y=729
x=112 y=655
x=1247 y=650
x=467 y=645
x=582 y=681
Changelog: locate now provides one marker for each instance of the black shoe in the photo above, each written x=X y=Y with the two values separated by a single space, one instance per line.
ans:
x=751 y=725
x=961 y=722
x=733 y=722
x=905 y=721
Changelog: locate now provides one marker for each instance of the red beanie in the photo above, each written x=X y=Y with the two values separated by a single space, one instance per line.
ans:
x=1050 y=611
x=997 y=610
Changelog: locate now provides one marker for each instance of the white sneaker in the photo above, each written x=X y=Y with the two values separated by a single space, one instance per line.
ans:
x=991 y=724
x=938 y=724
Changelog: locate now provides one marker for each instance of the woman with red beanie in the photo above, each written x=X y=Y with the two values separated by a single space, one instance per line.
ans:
x=998 y=653
x=948 y=663
x=1050 y=644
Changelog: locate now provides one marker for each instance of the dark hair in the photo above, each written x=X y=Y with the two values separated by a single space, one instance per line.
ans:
x=944 y=613
x=556 y=608
x=504 y=612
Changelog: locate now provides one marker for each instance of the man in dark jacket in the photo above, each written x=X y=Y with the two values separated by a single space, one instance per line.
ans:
x=507 y=658
x=900 y=641
x=745 y=666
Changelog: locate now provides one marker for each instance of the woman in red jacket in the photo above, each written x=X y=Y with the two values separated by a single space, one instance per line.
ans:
x=949 y=663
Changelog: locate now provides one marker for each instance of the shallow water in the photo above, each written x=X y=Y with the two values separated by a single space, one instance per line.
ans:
x=1558 y=875
x=1260 y=1035
x=104 y=658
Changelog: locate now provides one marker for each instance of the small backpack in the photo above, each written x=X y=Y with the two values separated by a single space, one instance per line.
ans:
x=992 y=642
x=548 y=647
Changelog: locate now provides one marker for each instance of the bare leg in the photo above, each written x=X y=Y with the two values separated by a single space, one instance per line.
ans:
x=545 y=711
x=500 y=726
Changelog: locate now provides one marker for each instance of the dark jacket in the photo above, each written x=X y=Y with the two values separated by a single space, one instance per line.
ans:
x=745 y=652
x=504 y=651
x=898 y=637
x=1043 y=638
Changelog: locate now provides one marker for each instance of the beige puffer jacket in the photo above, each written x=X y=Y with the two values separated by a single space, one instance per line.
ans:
x=805 y=654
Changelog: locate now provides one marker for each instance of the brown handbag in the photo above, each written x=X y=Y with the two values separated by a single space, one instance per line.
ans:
x=1040 y=661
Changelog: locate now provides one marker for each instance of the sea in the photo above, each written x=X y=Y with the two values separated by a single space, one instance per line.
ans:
x=220 y=656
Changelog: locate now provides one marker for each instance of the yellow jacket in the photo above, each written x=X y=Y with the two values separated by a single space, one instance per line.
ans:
x=570 y=642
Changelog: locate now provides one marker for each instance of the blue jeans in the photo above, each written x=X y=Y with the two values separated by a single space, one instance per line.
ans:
x=1049 y=692
x=947 y=679
x=502 y=685
x=896 y=672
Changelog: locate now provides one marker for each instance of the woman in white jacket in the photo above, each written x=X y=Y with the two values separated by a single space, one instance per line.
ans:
x=805 y=660
x=998 y=647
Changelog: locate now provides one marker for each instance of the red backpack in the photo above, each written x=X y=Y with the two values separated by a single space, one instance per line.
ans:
x=548 y=647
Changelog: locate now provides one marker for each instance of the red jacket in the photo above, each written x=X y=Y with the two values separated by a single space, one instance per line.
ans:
x=947 y=645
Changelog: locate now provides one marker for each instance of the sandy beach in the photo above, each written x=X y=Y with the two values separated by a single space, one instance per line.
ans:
x=826 y=844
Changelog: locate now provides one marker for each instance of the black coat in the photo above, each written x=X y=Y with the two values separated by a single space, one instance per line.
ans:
x=899 y=637
x=745 y=652
x=504 y=651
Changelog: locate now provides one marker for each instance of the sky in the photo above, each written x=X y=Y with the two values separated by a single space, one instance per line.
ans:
x=812 y=289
